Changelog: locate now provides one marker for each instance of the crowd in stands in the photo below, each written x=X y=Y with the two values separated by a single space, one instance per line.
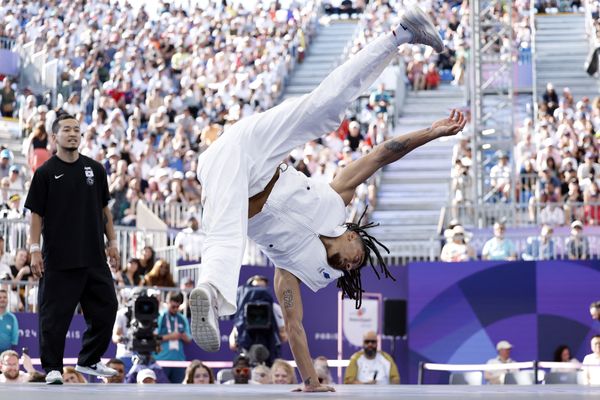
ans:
x=545 y=246
x=425 y=69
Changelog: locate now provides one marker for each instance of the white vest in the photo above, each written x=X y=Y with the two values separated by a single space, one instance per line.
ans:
x=287 y=229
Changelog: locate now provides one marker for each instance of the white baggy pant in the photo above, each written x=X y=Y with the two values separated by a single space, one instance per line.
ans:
x=243 y=160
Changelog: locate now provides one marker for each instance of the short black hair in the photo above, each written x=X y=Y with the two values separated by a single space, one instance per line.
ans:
x=115 y=361
x=241 y=358
x=176 y=297
x=60 y=117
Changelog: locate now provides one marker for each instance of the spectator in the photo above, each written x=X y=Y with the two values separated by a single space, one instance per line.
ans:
x=500 y=178
x=118 y=366
x=498 y=247
x=323 y=372
x=563 y=354
x=577 y=244
x=70 y=376
x=8 y=99
x=457 y=249
x=432 y=77
x=6 y=158
x=497 y=377
x=9 y=325
x=379 y=100
x=552 y=214
x=37 y=152
x=592 y=375
x=541 y=247
x=283 y=373
x=9 y=360
x=588 y=169
x=197 y=373
x=174 y=329
x=160 y=275
x=595 y=310
x=262 y=374
x=146 y=377
x=189 y=242
x=147 y=260
x=591 y=203
x=370 y=366
x=131 y=275
x=240 y=371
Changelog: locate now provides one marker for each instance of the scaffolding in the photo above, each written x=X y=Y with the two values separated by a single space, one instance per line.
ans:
x=490 y=79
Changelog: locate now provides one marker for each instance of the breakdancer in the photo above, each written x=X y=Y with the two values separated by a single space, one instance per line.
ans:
x=297 y=222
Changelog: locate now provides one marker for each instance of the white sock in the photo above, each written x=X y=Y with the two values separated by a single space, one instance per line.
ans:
x=402 y=35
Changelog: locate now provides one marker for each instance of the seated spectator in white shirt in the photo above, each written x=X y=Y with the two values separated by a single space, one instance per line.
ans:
x=497 y=377
x=457 y=248
x=592 y=375
x=552 y=214
x=498 y=247
x=189 y=241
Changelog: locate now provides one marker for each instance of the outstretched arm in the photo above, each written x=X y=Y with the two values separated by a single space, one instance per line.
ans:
x=287 y=289
x=392 y=150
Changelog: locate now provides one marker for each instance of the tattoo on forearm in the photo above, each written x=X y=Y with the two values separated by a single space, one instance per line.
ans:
x=307 y=381
x=400 y=146
x=288 y=298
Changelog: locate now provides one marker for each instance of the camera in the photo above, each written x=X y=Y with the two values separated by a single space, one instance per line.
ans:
x=142 y=315
x=258 y=315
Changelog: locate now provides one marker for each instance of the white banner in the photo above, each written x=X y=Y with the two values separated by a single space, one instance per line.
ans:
x=357 y=322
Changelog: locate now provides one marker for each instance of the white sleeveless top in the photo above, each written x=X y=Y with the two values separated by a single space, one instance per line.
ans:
x=287 y=229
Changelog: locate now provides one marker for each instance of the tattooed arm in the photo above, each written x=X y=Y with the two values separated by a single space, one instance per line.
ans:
x=287 y=289
x=392 y=150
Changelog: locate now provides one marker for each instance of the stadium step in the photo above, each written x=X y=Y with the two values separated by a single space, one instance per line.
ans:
x=322 y=56
x=561 y=51
x=413 y=190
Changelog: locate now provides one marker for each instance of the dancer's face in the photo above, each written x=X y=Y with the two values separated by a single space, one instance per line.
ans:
x=348 y=252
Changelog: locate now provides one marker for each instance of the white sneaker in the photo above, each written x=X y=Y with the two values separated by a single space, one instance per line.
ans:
x=54 y=378
x=418 y=23
x=204 y=315
x=97 y=369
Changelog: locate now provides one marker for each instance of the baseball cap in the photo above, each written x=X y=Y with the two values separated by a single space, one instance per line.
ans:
x=502 y=345
x=14 y=168
x=577 y=224
x=145 y=373
x=6 y=153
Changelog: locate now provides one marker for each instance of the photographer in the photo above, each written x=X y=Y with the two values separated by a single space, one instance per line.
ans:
x=258 y=319
x=174 y=329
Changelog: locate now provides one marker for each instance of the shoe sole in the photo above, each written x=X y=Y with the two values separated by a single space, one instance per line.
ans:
x=89 y=371
x=57 y=382
x=205 y=336
x=421 y=20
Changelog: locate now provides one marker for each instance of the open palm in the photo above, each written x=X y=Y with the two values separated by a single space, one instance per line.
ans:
x=450 y=126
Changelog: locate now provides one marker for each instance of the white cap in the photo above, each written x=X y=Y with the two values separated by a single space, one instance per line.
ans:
x=503 y=345
x=145 y=373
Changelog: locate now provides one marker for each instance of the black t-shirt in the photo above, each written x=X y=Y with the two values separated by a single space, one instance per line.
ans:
x=70 y=197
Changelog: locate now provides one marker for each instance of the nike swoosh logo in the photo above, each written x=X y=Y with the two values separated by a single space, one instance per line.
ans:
x=58 y=176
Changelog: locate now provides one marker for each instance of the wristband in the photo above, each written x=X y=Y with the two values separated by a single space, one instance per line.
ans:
x=112 y=243
x=34 y=247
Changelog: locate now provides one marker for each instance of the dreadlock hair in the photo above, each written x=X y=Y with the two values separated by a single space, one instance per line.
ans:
x=351 y=283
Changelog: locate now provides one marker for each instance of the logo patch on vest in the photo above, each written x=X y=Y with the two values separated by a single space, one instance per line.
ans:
x=325 y=274
x=89 y=175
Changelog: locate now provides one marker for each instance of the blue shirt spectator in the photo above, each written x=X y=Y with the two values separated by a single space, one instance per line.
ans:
x=541 y=247
x=498 y=247
x=9 y=326
x=174 y=329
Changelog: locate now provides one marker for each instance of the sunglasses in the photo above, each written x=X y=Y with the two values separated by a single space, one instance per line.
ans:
x=243 y=370
x=370 y=341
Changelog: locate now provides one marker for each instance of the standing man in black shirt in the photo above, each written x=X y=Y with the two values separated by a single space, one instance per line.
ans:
x=68 y=200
